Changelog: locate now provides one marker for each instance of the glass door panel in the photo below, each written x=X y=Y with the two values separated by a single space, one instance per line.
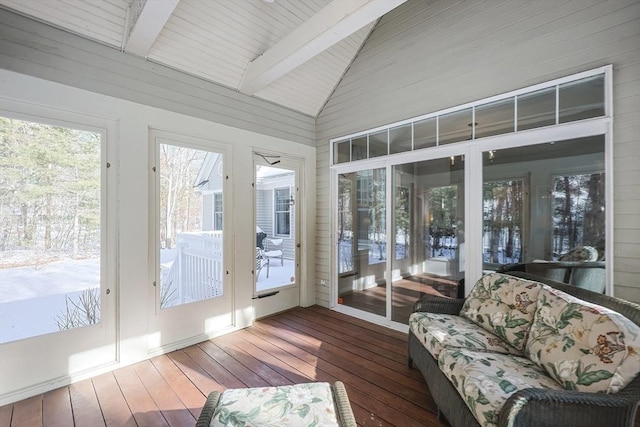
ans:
x=275 y=228
x=57 y=272
x=428 y=232
x=362 y=240
x=190 y=245
x=554 y=218
x=191 y=236
x=503 y=221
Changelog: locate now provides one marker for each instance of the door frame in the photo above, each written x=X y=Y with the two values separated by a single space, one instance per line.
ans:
x=95 y=348
x=193 y=322
x=282 y=298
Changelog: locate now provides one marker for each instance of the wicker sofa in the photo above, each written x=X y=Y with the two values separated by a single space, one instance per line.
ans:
x=546 y=402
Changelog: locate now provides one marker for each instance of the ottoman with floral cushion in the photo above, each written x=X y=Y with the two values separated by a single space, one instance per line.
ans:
x=312 y=404
x=525 y=351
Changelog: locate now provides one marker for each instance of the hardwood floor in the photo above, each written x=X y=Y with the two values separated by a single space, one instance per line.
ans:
x=301 y=345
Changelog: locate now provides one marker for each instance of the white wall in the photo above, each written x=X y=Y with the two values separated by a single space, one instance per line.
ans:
x=134 y=281
x=429 y=55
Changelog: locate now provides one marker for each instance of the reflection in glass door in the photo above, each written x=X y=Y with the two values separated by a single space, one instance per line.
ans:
x=428 y=232
x=362 y=240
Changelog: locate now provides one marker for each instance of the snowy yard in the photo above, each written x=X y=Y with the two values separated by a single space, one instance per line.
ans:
x=31 y=298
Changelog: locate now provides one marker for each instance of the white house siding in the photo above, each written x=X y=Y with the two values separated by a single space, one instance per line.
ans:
x=36 y=49
x=429 y=55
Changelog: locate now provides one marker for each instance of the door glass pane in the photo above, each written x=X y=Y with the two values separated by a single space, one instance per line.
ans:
x=578 y=215
x=428 y=227
x=361 y=282
x=544 y=206
x=190 y=247
x=503 y=215
x=345 y=224
x=275 y=228
x=50 y=243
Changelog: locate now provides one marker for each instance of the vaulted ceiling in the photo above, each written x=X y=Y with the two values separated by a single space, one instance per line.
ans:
x=289 y=52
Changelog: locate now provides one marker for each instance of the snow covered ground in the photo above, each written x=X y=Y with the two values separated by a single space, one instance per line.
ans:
x=30 y=298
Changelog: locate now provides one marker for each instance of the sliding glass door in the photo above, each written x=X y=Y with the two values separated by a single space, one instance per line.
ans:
x=362 y=240
x=428 y=231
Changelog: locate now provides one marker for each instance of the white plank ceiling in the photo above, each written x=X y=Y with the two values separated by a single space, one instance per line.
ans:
x=215 y=40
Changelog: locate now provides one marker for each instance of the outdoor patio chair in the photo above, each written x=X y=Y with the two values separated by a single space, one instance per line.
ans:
x=273 y=249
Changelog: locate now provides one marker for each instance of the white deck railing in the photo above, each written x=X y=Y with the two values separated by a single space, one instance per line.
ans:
x=196 y=272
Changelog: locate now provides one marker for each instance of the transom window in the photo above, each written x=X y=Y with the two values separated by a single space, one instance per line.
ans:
x=561 y=101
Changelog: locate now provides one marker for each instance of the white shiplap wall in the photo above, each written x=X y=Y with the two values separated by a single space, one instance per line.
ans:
x=32 y=48
x=429 y=55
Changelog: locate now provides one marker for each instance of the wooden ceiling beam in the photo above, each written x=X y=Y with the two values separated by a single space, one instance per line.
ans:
x=147 y=18
x=333 y=23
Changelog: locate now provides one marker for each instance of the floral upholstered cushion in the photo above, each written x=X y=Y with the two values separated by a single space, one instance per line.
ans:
x=439 y=331
x=486 y=380
x=295 y=405
x=583 y=346
x=503 y=305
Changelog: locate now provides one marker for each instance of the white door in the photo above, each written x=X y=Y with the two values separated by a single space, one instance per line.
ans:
x=57 y=246
x=276 y=272
x=193 y=299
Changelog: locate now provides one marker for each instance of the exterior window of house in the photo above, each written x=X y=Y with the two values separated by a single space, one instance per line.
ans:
x=52 y=221
x=217 y=211
x=282 y=211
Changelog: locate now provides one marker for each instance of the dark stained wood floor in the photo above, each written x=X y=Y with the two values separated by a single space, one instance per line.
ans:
x=301 y=345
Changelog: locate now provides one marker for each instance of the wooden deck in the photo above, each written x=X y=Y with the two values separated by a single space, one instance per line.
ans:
x=301 y=345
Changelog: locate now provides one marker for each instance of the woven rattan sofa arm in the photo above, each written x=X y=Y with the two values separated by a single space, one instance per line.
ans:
x=345 y=414
x=209 y=408
x=541 y=407
x=438 y=304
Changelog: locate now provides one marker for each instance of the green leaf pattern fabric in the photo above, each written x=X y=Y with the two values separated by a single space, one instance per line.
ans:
x=439 y=331
x=503 y=305
x=583 y=346
x=486 y=380
x=296 y=405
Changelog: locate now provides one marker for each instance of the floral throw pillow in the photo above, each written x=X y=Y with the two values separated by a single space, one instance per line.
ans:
x=583 y=346
x=503 y=305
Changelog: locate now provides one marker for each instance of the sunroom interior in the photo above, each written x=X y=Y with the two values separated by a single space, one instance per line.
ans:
x=226 y=196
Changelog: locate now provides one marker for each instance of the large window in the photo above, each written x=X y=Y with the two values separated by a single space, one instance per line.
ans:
x=282 y=211
x=51 y=231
